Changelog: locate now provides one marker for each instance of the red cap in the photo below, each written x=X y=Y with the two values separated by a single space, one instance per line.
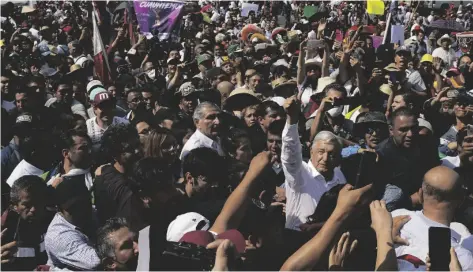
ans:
x=101 y=97
x=203 y=238
x=453 y=72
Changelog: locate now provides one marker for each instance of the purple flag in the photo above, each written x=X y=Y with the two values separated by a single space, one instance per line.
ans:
x=160 y=15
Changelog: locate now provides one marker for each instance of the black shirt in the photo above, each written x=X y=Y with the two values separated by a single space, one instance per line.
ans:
x=115 y=198
x=258 y=139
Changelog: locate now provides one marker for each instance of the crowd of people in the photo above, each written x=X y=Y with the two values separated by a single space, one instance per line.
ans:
x=241 y=142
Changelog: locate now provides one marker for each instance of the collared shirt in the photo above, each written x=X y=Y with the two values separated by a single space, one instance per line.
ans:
x=95 y=132
x=69 y=248
x=24 y=168
x=198 y=139
x=304 y=184
x=416 y=232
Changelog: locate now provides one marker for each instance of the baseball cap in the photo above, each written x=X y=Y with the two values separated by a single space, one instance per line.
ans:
x=185 y=223
x=453 y=72
x=203 y=238
x=101 y=97
x=203 y=57
x=96 y=91
x=186 y=89
x=173 y=61
x=23 y=123
x=92 y=84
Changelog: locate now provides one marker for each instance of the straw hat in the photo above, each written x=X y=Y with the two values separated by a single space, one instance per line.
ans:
x=439 y=41
x=241 y=98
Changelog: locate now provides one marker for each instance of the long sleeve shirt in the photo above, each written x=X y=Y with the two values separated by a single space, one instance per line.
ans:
x=69 y=248
x=304 y=184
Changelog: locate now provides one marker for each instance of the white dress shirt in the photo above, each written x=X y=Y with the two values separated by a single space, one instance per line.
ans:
x=416 y=232
x=304 y=184
x=448 y=57
x=24 y=168
x=198 y=139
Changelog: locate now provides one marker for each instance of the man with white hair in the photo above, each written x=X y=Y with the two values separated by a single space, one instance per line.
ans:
x=307 y=182
x=206 y=120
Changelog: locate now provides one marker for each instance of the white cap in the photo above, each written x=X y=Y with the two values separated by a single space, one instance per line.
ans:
x=185 y=223
x=278 y=99
x=92 y=84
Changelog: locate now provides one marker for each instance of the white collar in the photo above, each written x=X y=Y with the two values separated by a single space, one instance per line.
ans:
x=316 y=175
x=205 y=139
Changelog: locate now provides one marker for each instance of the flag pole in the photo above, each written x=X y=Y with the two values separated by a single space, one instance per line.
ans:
x=387 y=28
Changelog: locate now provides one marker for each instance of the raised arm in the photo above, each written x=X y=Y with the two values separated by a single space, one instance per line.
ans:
x=291 y=150
x=311 y=252
x=237 y=203
x=382 y=224
x=316 y=126
x=300 y=63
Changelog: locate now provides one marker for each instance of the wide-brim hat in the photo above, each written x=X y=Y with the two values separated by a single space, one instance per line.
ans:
x=324 y=82
x=439 y=41
x=312 y=63
x=74 y=70
x=241 y=98
x=281 y=83
x=370 y=117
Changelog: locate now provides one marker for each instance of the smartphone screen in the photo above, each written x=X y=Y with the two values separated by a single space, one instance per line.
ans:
x=439 y=248
x=364 y=176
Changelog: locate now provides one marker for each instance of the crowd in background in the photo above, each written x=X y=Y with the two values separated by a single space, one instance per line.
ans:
x=236 y=143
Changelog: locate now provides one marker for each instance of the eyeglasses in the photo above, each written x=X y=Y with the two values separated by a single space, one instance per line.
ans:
x=372 y=130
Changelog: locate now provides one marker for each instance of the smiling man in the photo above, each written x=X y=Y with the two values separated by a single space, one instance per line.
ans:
x=206 y=120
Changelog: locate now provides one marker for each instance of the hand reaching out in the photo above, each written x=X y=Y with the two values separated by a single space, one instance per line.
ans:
x=350 y=199
x=398 y=223
x=340 y=251
x=437 y=64
x=8 y=250
x=226 y=254
x=381 y=220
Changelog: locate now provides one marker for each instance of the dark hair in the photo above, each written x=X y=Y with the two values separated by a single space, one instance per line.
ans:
x=62 y=81
x=105 y=248
x=164 y=114
x=326 y=205
x=148 y=88
x=29 y=184
x=233 y=139
x=404 y=111
x=115 y=138
x=280 y=70
x=266 y=107
x=409 y=98
x=133 y=90
x=33 y=79
x=336 y=87
x=25 y=90
x=205 y=162
x=463 y=56
x=67 y=138
x=151 y=174
x=277 y=127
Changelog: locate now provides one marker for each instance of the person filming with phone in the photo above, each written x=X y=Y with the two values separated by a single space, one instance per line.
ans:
x=441 y=194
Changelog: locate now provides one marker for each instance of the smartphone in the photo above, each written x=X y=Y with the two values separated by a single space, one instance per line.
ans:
x=469 y=130
x=345 y=101
x=439 y=248
x=364 y=175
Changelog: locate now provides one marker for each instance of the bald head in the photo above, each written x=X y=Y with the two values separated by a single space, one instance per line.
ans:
x=443 y=184
x=225 y=88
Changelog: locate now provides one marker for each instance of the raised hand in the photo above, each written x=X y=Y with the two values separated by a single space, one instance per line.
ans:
x=340 y=251
x=437 y=64
x=292 y=108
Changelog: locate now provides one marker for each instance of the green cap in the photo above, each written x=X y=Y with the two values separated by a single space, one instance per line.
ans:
x=203 y=57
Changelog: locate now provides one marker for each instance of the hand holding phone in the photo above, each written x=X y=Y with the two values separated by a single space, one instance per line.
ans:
x=439 y=248
x=365 y=176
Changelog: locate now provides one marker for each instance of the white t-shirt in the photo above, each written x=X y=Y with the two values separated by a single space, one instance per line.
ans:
x=448 y=57
x=24 y=168
x=416 y=232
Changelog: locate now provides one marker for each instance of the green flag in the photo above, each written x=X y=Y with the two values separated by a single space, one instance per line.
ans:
x=309 y=11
